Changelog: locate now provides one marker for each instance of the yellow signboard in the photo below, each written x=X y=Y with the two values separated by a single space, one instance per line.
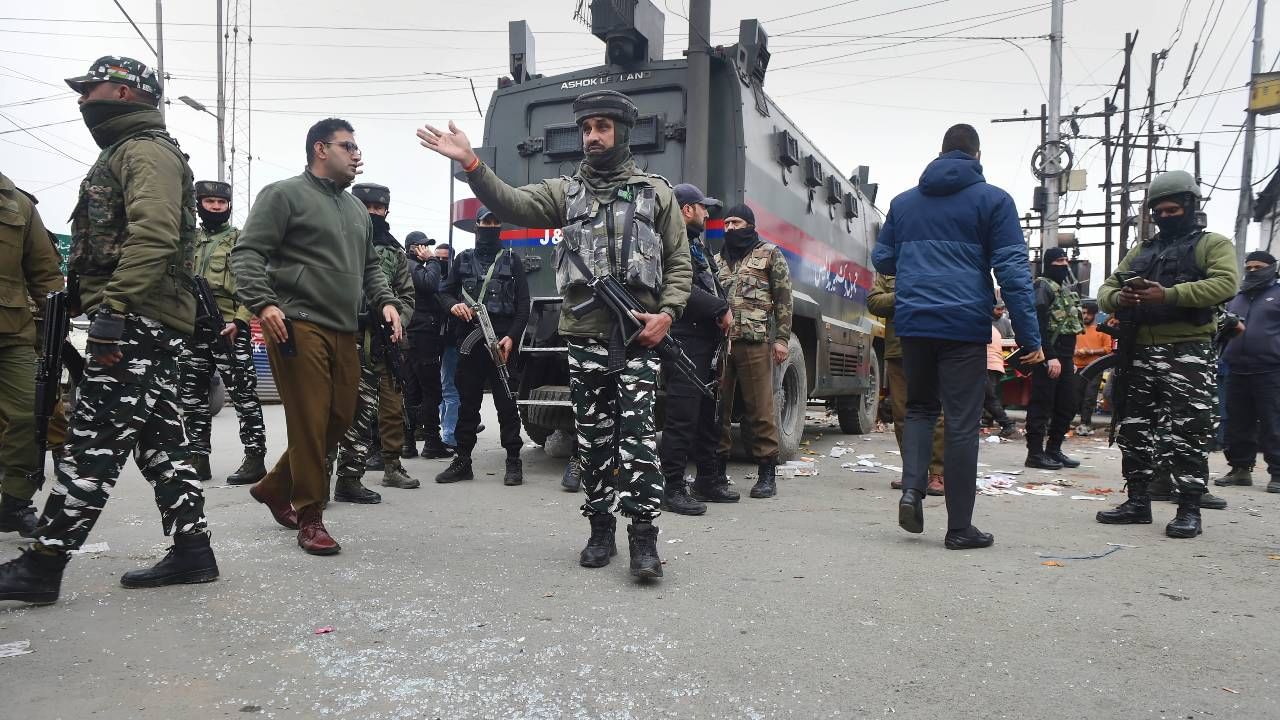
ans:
x=1264 y=93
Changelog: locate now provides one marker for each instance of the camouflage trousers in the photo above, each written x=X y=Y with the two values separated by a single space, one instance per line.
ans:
x=617 y=448
x=355 y=443
x=130 y=407
x=1169 y=415
x=204 y=354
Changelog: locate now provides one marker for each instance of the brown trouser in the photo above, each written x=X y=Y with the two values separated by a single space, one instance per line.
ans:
x=898 y=399
x=749 y=363
x=390 y=415
x=318 y=387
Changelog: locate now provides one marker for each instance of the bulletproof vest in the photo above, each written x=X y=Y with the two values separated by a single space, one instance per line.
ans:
x=99 y=226
x=1064 y=312
x=749 y=290
x=212 y=262
x=703 y=275
x=614 y=238
x=1171 y=264
x=500 y=297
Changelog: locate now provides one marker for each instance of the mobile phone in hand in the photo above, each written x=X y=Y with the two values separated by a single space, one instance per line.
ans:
x=1136 y=283
x=288 y=347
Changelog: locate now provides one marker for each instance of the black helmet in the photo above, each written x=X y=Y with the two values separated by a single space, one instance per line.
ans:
x=370 y=193
x=606 y=103
x=213 y=188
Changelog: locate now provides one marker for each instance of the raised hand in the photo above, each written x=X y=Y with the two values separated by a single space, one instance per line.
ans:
x=452 y=144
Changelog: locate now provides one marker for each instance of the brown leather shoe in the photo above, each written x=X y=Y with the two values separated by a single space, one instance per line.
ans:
x=935 y=486
x=896 y=484
x=312 y=535
x=280 y=508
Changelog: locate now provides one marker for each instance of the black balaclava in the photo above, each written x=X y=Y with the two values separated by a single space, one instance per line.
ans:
x=1184 y=224
x=1262 y=278
x=380 y=224
x=213 y=221
x=488 y=239
x=1056 y=273
x=98 y=112
x=739 y=242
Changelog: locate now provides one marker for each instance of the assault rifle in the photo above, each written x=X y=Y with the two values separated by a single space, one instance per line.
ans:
x=610 y=295
x=208 y=315
x=1125 y=336
x=485 y=331
x=53 y=354
x=383 y=349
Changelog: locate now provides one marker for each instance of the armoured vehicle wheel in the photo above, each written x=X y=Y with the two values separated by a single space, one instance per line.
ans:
x=857 y=413
x=560 y=444
x=540 y=421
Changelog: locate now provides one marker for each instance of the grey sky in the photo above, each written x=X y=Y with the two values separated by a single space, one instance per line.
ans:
x=880 y=101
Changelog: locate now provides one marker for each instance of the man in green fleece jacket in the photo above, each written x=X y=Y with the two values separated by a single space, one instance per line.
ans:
x=132 y=232
x=304 y=262
x=609 y=198
x=1169 y=286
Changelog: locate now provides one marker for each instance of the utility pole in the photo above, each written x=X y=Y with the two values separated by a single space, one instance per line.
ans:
x=222 y=101
x=1246 y=171
x=697 y=91
x=1151 y=136
x=160 y=50
x=1053 y=165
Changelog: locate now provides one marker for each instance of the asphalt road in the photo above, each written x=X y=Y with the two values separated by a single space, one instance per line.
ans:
x=466 y=601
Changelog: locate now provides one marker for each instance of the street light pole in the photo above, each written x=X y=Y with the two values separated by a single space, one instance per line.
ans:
x=222 y=101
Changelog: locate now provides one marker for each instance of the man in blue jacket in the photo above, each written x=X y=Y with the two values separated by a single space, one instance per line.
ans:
x=942 y=240
x=1253 y=361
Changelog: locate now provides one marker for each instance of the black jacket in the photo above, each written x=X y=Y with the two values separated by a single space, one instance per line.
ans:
x=430 y=317
x=705 y=305
x=504 y=326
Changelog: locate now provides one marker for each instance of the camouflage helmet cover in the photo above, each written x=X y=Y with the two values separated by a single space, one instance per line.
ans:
x=118 y=69
x=606 y=103
x=369 y=193
x=213 y=188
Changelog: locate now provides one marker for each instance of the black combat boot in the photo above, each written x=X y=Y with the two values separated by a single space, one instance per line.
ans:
x=190 y=560
x=515 y=472
x=251 y=470
x=433 y=448
x=1237 y=476
x=200 y=463
x=374 y=460
x=33 y=577
x=1161 y=488
x=349 y=489
x=571 y=480
x=1134 y=511
x=17 y=515
x=459 y=469
x=712 y=484
x=1209 y=501
x=643 y=540
x=1053 y=451
x=410 y=449
x=766 y=480
x=1037 y=458
x=911 y=511
x=601 y=546
x=1186 y=524
x=675 y=497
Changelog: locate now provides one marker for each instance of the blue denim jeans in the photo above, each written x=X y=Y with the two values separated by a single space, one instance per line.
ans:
x=449 y=391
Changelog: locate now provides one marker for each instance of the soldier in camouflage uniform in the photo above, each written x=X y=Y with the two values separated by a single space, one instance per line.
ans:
x=132 y=236
x=757 y=282
x=207 y=352
x=28 y=272
x=616 y=219
x=1053 y=391
x=380 y=395
x=1168 y=419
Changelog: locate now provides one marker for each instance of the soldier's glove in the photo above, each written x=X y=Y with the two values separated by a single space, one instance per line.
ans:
x=105 y=333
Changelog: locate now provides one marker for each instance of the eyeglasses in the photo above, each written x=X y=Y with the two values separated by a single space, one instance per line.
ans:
x=1167 y=211
x=350 y=147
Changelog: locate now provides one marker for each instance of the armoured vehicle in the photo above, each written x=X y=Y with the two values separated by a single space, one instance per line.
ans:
x=706 y=119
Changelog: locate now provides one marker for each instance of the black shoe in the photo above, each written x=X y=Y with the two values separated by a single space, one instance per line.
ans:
x=32 y=577
x=433 y=449
x=251 y=470
x=1186 y=523
x=350 y=490
x=766 y=481
x=18 y=516
x=200 y=463
x=1042 y=461
x=1008 y=428
x=571 y=481
x=189 y=560
x=1237 y=476
x=1134 y=511
x=1274 y=485
x=459 y=469
x=1161 y=489
x=374 y=461
x=409 y=451
x=911 y=511
x=970 y=538
x=1209 y=501
x=602 y=545
x=708 y=489
x=515 y=472
x=1063 y=460
x=643 y=540
x=480 y=428
x=676 y=499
